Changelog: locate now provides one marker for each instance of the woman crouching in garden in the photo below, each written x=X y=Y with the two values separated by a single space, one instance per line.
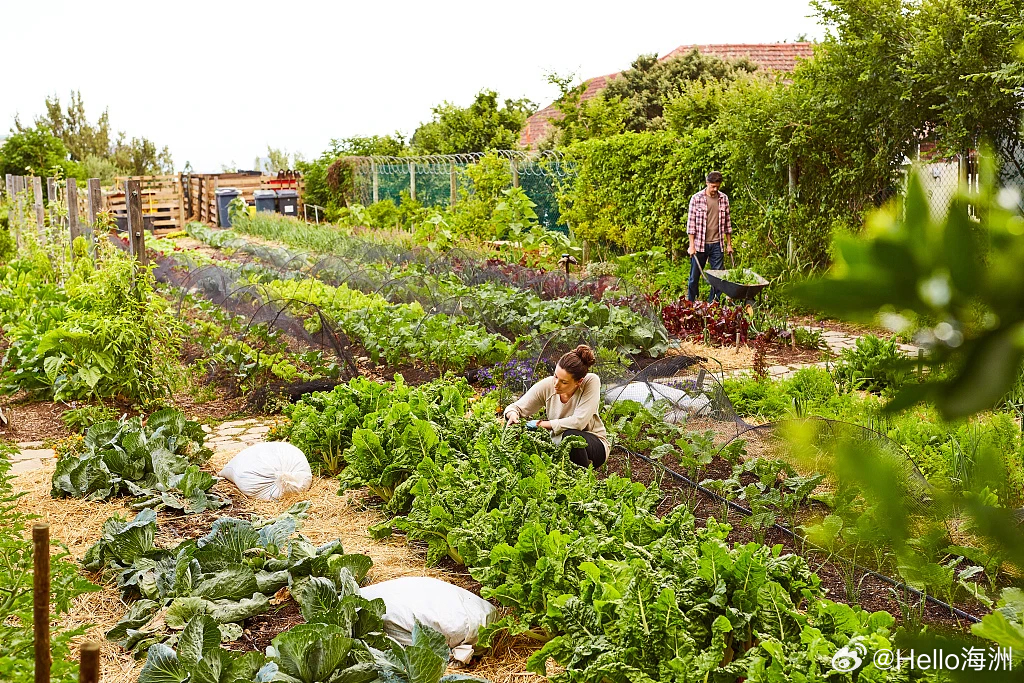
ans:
x=571 y=398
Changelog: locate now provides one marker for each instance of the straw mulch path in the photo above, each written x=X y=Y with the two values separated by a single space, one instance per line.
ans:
x=77 y=524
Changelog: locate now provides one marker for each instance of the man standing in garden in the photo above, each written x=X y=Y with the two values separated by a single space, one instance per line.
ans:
x=708 y=225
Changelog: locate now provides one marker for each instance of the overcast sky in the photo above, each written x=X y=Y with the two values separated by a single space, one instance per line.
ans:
x=219 y=81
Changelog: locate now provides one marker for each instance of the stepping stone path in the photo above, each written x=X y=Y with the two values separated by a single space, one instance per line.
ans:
x=31 y=456
x=227 y=437
x=236 y=434
x=836 y=342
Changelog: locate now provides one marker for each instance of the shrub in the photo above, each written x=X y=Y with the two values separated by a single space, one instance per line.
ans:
x=875 y=365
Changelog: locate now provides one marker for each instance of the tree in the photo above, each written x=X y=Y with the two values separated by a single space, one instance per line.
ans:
x=73 y=128
x=650 y=84
x=34 y=151
x=93 y=142
x=139 y=156
x=636 y=99
x=370 y=145
x=480 y=127
x=968 y=74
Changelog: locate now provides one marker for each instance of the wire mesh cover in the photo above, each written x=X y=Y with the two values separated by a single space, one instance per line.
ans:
x=814 y=442
x=307 y=326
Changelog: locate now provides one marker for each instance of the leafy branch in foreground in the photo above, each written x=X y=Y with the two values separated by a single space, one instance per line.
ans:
x=964 y=273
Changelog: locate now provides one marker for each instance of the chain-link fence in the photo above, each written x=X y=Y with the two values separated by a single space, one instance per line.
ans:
x=440 y=179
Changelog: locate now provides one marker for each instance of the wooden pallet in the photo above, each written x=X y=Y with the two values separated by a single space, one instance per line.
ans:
x=164 y=196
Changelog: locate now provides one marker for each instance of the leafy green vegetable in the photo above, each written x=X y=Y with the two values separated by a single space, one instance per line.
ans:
x=740 y=276
x=157 y=462
x=227 y=576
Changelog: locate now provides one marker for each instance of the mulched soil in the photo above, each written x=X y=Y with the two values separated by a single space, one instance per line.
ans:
x=33 y=421
x=259 y=631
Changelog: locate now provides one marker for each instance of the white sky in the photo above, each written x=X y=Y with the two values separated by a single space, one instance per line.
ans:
x=219 y=81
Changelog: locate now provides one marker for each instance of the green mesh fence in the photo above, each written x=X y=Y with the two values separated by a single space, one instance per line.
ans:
x=429 y=178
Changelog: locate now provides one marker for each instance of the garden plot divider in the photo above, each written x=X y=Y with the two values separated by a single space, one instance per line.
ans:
x=65 y=202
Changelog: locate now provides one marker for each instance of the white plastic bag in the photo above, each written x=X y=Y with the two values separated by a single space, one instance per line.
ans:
x=448 y=609
x=269 y=470
x=682 y=403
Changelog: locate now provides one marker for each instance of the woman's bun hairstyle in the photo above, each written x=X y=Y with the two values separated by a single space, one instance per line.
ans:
x=586 y=355
x=578 y=361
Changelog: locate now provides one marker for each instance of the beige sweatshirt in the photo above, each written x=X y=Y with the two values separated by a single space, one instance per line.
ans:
x=580 y=412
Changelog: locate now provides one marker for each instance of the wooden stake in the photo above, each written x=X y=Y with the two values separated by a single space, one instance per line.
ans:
x=412 y=180
x=89 y=663
x=41 y=598
x=515 y=174
x=376 y=182
x=74 y=227
x=9 y=186
x=37 y=194
x=136 y=226
x=94 y=201
x=51 y=197
x=455 y=185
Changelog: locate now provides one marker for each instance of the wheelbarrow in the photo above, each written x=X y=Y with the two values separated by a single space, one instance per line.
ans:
x=733 y=290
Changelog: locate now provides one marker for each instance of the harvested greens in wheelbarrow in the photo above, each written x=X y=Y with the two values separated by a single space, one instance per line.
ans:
x=736 y=283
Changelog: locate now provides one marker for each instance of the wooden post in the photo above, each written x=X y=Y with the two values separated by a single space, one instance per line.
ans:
x=136 y=226
x=51 y=197
x=412 y=180
x=376 y=182
x=9 y=187
x=515 y=173
x=455 y=185
x=74 y=227
x=37 y=194
x=41 y=598
x=94 y=201
x=179 y=188
x=19 y=208
x=89 y=663
x=791 y=173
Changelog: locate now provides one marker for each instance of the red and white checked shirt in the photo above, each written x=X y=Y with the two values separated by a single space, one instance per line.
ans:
x=697 y=219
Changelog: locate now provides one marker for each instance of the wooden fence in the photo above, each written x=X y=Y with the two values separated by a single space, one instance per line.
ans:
x=174 y=200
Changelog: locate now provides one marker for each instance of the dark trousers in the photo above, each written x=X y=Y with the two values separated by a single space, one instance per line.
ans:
x=593 y=454
x=713 y=253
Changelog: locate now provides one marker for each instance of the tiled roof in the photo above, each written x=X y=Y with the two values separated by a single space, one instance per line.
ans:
x=768 y=56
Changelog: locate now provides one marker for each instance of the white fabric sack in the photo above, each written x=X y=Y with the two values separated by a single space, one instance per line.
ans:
x=448 y=609
x=269 y=470
x=646 y=393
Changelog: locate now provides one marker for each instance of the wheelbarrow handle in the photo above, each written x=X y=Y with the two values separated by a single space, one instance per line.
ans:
x=693 y=257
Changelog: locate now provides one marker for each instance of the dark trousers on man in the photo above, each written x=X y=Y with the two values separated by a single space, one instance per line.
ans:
x=712 y=253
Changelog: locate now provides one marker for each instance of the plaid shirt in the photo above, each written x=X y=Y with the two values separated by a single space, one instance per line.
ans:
x=697 y=219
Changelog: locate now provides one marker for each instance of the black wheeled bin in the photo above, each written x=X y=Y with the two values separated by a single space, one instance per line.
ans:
x=266 y=200
x=224 y=197
x=288 y=202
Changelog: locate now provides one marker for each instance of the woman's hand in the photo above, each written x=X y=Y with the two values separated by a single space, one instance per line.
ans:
x=544 y=424
x=512 y=418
